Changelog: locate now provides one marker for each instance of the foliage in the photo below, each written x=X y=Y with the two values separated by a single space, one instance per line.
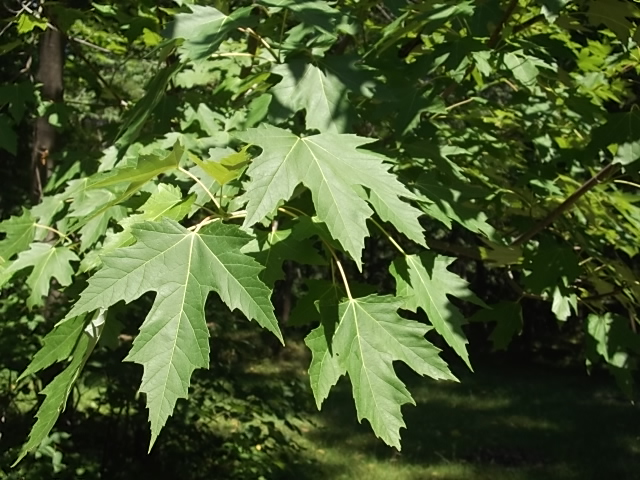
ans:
x=281 y=132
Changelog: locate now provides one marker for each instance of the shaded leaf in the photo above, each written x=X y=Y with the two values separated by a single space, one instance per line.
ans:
x=305 y=86
x=57 y=392
x=48 y=262
x=424 y=282
x=138 y=115
x=19 y=233
x=508 y=318
x=204 y=29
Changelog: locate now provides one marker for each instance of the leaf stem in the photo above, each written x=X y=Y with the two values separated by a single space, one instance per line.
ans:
x=199 y=182
x=626 y=182
x=237 y=214
x=51 y=229
x=290 y=211
x=251 y=32
x=343 y=275
x=389 y=237
x=205 y=221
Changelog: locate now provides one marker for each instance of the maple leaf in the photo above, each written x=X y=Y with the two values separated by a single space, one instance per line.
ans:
x=424 y=282
x=205 y=28
x=93 y=200
x=615 y=15
x=227 y=168
x=48 y=262
x=19 y=231
x=87 y=334
x=369 y=337
x=165 y=202
x=305 y=86
x=182 y=267
x=138 y=115
x=57 y=345
x=335 y=170
x=271 y=249
x=312 y=13
x=508 y=319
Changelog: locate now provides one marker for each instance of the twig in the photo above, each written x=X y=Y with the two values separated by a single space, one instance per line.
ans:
x=10 y=22
x=520 y=291
x=564 y=206
x=122 y=103
x=251 y=32
x=497 y=32
x=612 y=293
x=528 y=23
x=28 y=9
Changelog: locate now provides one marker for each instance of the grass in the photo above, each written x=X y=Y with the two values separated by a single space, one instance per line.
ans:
x=504 y=422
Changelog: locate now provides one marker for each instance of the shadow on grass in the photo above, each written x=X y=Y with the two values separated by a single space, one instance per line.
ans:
x=503 y=422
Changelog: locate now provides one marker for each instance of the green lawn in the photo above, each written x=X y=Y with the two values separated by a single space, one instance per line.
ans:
x=504 y=422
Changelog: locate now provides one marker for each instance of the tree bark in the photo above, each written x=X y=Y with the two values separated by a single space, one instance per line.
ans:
x=50 y=69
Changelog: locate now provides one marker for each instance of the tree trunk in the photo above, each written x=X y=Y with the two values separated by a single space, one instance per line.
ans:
x=49 y=74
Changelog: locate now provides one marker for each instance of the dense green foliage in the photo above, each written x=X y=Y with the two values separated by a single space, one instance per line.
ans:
x=348 y=151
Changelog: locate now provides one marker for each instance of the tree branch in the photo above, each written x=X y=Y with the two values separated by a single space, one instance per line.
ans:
x=497 y=32
x=566 y=205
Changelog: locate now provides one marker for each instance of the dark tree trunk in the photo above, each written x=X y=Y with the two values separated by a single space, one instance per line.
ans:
x=50 y=66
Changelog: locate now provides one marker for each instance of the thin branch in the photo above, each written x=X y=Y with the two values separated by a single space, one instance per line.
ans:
x=520 y=291
x=90 y=45
x=612 y=293
x=10 y=22
x=566 y=205
x=524 y=25
x=27 y=9
x=122 y=103
x=251 y=32
x=497 y=32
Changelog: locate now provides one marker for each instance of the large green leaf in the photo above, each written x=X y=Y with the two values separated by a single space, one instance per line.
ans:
x=369 y=337
x=424 y=282
x=312 y=13
x=182 y=267
x=334 y=169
